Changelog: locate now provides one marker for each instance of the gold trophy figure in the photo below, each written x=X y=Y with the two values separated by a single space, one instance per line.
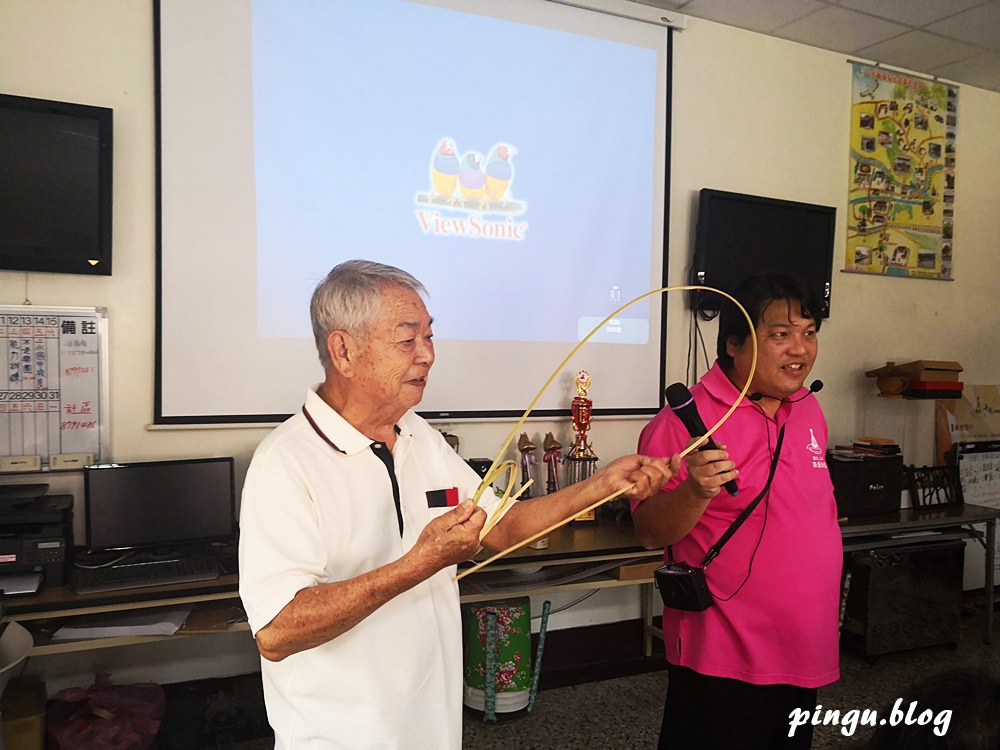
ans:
x=581 y=459
x=527 y=449
x=553 y=455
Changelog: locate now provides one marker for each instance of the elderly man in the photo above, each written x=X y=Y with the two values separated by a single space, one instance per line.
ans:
x=348 y=547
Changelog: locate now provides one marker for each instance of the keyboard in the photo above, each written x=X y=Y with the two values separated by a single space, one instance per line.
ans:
x=133 y=575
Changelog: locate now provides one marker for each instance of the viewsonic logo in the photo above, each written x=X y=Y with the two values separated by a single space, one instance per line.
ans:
x=468 y=187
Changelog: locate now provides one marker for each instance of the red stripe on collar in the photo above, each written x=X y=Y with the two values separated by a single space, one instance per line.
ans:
x=318 y=431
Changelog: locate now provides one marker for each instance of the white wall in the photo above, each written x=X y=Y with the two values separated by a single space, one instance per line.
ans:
x=750 y=114
x=767 y=116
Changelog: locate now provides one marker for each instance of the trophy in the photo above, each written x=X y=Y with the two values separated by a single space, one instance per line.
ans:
x=527 y=448
x=551 y=459
x=581 y=459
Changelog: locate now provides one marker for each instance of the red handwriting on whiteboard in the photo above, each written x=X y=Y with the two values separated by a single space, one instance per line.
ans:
x=79 y=370
x=81 y=408
x=76 y=424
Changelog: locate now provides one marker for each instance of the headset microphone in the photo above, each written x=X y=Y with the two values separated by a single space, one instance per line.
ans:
x=814 y=387
x=682 y=403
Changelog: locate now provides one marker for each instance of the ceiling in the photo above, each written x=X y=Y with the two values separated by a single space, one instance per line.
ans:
x=955 y=40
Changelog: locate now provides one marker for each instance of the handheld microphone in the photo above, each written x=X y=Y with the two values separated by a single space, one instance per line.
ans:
x=814 y=387
x=682 y=403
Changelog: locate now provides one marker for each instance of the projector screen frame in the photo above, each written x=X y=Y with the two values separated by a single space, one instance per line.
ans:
x=163 y=417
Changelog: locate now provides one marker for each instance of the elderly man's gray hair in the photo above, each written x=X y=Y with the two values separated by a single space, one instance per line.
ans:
x=350 y=297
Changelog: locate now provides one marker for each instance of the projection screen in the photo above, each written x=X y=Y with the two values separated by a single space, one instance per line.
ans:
x=511 y=155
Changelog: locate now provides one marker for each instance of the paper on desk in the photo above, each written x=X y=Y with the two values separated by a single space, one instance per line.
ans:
x=214 y=617
x=20 y=583
x=141 y=622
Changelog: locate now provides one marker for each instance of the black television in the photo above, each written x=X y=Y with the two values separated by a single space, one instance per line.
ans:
x=738 y=235
x=164 y=505
x=55 y=179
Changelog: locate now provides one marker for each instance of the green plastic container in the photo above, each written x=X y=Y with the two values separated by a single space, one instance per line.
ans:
x=512 y=654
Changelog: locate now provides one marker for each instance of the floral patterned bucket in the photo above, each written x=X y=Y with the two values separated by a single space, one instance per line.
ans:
x=512 y=650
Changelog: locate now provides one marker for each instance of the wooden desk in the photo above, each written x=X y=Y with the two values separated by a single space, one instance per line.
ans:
x=605 y=545
x=61 y=603
x=575 y=545
x=605 y=540
x=935 y=523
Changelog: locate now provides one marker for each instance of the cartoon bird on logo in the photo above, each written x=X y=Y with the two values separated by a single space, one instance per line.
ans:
x=444 y=169
x=499 y=171
x=471 y=180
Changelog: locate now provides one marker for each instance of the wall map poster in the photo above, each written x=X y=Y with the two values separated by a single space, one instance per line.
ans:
x=54 y=396
x=901 y=202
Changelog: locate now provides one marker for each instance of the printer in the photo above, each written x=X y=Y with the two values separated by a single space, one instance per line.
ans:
x=36 y=536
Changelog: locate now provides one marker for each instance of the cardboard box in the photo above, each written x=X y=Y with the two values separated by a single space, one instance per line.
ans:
x=23 y=709
x=637 y=571
x=930 y=369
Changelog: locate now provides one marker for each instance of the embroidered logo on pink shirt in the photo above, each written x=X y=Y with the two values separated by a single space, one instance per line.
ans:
x=813 y=445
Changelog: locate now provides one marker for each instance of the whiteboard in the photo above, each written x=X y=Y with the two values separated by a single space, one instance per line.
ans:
x=54 y=398
x=979 y=472
x=979 y=476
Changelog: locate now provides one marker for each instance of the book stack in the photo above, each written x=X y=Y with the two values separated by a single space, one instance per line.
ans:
x=933 y=389
x=875 y=446
x=923 y=378
x=866 y=446
x=932 y=378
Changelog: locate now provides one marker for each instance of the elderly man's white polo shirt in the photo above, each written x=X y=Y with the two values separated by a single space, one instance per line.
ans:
x=318 y=506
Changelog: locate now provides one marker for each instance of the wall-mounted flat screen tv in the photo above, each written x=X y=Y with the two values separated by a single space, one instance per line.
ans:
x=55 y=179
x=739 y=235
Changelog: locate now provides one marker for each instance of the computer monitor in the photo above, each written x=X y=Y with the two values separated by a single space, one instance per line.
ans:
x=160 y=504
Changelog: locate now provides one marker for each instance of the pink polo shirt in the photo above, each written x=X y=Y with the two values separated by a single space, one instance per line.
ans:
x=777 y=580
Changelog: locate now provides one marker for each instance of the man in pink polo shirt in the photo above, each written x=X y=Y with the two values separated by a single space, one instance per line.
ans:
x=769 y=639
